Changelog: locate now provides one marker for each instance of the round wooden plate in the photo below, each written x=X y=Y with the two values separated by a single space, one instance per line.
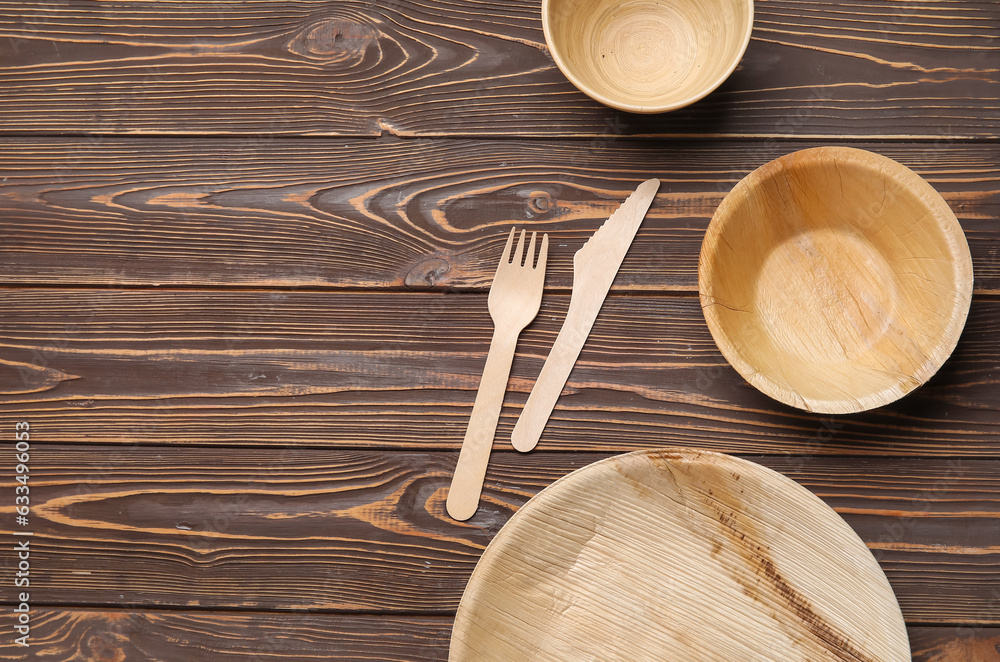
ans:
x=678 y=554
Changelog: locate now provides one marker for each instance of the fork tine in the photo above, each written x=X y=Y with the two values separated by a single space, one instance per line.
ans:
x=529 y=259
x=506 y=249
x=519 y=251
x=543 y=252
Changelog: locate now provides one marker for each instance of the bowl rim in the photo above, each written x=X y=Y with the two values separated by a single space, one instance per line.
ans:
x=640 y=108
x=962 y=282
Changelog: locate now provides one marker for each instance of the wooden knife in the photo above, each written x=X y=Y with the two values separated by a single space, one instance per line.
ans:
x=594 y=269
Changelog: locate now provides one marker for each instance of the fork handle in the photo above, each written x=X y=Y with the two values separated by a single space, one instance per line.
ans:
x=467 y=483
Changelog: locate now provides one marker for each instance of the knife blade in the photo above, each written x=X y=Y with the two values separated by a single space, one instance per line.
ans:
x=595 y=266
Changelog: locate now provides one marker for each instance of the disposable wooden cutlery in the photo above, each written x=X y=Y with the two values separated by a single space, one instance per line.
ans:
x=594 y=269
x=515 y=295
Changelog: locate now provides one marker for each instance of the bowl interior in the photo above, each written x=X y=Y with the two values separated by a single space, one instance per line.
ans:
x=647 y=55
x=835 y=279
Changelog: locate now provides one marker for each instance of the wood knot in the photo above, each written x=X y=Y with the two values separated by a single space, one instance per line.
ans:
x=104 y=649
x=428 y=273
x=540 y=201
x=17 y=377
x=334 y=40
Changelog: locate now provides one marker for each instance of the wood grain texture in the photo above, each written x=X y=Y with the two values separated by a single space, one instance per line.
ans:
x=73 y=635
x=59 y=635
x=974 y=644
x=266 y=529
x=310 y=67
x=425 y=214
x=396 y=370
x=245 y=454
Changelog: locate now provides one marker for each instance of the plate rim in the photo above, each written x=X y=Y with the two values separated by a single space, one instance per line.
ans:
x=473 y=587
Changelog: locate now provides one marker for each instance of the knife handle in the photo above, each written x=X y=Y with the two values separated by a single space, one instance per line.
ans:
x=551 y=380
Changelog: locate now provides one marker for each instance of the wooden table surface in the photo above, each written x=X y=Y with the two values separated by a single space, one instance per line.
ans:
x=245 y=247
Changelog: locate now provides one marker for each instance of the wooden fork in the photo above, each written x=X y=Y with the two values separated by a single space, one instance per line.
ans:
x=515 y=296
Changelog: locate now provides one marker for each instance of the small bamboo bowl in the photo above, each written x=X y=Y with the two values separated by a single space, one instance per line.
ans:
x=835 y=280
x=647 y=56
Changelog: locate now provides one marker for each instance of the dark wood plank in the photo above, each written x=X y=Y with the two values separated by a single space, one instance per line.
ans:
x=395 y=370
x=267 y=529
x=167 y=636
x=393 y=214
x=868 y=68
x=968 y=643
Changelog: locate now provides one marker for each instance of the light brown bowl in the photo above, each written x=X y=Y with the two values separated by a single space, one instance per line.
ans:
x=647 y=56
x=835 y=280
